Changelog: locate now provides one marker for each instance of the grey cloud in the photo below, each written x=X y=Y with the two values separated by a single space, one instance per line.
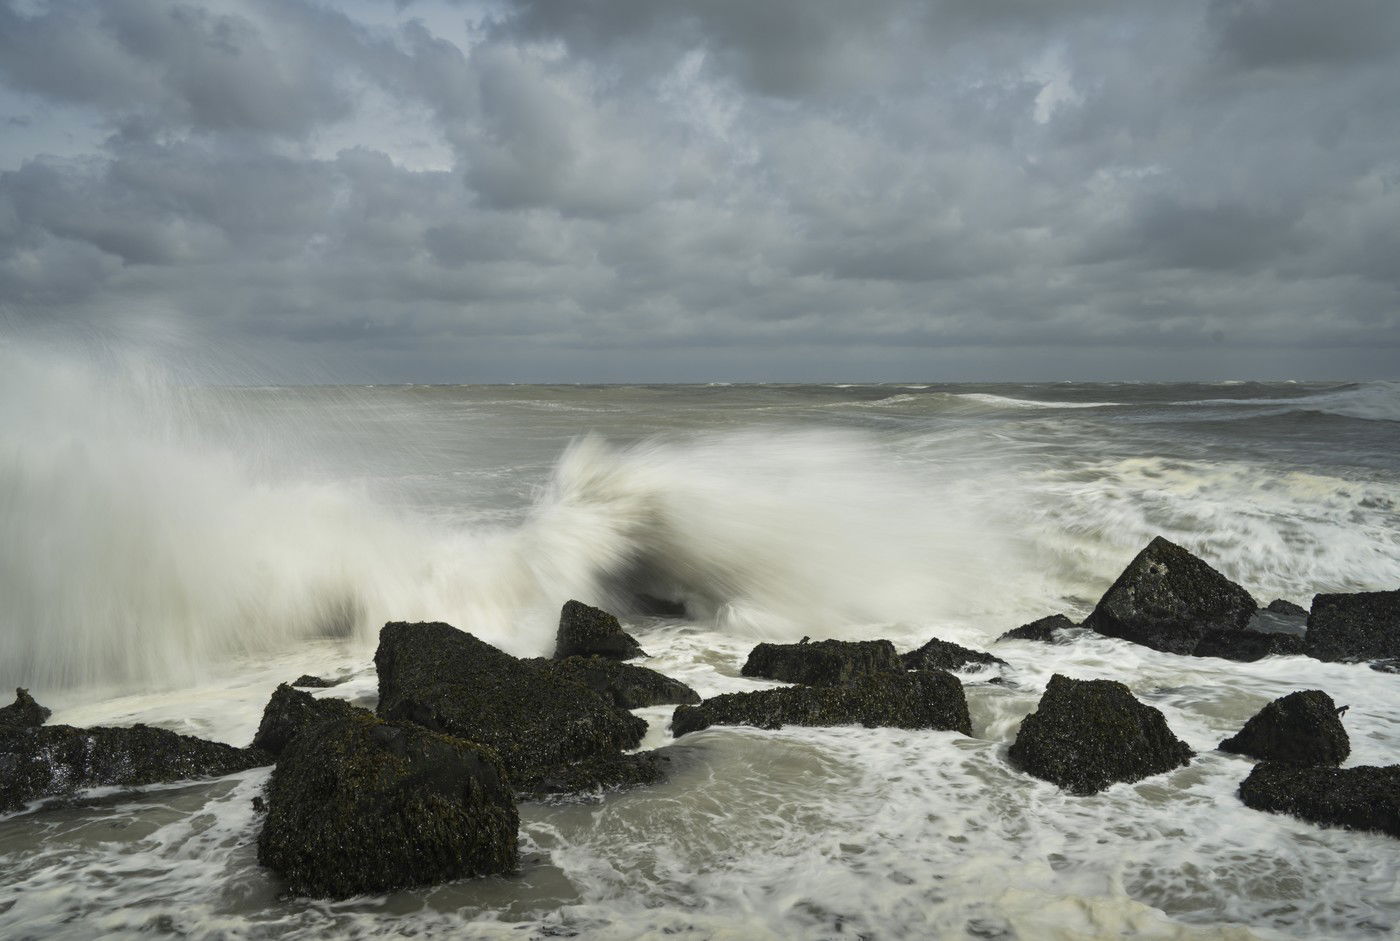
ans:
x=1281 y=34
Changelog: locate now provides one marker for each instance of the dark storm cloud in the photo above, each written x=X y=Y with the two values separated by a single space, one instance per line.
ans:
x=605 y=188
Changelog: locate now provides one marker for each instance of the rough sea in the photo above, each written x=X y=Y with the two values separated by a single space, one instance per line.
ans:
x=170 y=553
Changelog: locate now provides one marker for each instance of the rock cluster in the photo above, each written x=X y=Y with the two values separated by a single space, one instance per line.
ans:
x=24 y=712
x=625 y=685
x=1046 y=630
x=1361 y=798
x=1362 y=626
x=1302 y=728
x=823 y=662
x=945 y=655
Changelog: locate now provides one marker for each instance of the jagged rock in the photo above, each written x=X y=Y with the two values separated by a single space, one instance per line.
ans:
x=449 y=681
x=290 y=710
x=1279 y=606
x=1088 y=734
x=1301 y=728
x=357 y=805
x=625 y=685
x=585 y=631
x=24 y=712
x=58 y=760
x=1044 y=630
x=1361 y=798
x=1167 y=599
x=823 y=662
x=916 y=700
x=945 y=655
x=307 y=681
x=1246 y=646
x=1362 y=626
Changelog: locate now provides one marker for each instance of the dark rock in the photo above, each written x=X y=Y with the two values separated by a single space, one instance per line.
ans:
x=1246 y=646
x=1088 y=734
x=1361 y=798
x=357 y=805
x=447 y=680
x=1386 y=666
x=1167 y=599
x=822 y=663
x=57 y=760
x=944 y=655
x=610 y=772
x=625 y=685
x=585 y=631
x=307 y=681
x=1362 y=626
x=24 y=712
x=290 y=710
x=1279 y=606
x=1301 y=728
x=1044 y=630
x=916 y=700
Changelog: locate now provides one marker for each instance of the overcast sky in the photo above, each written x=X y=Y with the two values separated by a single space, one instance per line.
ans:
x=733 y=189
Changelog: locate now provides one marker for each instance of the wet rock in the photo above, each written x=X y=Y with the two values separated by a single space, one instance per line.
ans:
x=1386 y=666
x=24 y=712
x=585 y=631
x=1167 y=599
x=915 y=700
x=1246 y=646
x=291 y=710
x=1361 y=798
x=1301 y=728
x=449 y=681
x=1044 y=630
x=357 y=805
x=307 y=681
x=625 y=685
x=944 y=655
x=823 y=662
x=1088 y=734
x=1279 y=606
x=1362 y=626
x=611 y=772
x=58 y=760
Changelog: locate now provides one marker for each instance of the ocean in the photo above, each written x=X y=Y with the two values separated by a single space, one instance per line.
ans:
x=170 y=552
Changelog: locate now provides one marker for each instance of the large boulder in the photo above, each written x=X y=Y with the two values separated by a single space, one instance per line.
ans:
x=586 y=631
x=1167 y=599
x=1362 y=626
x=24 y=712
x=1302 y=728
x=58 y=760
x=1046 y=630
x=291 y=710
x=1361 y=798
x=917 y=700
x=1246 y=646
x=823 y=662
x=945 y=655
x=625 y=685
x=1088 y=734
x=449 y=681
x=357 y=805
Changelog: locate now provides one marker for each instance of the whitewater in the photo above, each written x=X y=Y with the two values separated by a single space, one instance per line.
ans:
x=170 y=552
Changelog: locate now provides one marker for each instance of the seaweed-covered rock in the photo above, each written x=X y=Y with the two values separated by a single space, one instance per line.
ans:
x=1044 y=630
x=57 y=760
x=24 y=712
x=1246 y=646
x=291 y=710
x=823 y=662
x=1088 y=734
x=1167 y=599
x=1361 y=798
x=586 y=631
x=307 y=681
x=945 y=655
x=1361 y=626
x=449 y=681
x=625 y=685
x=1302 y=728
x=357 y=805
x=916 y=700
x=608 y=772
x=1279 y=606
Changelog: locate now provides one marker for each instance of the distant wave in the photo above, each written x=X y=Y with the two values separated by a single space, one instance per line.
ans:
x=1371 y=401
x=1002 y=401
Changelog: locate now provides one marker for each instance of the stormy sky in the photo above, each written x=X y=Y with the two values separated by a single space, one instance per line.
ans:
x=608 y=190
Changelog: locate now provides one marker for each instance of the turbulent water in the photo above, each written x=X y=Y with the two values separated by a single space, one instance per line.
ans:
x=169 y=553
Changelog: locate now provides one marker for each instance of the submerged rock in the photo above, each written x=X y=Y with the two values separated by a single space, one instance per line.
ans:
x=1246 y=646
x=916 y=700
x=290 y=710
x=1361 y=798
x=58 y=760
x=1279 y=606
x=1167 y=599
x=586 y=631
x=307 y=681
x=945 y=655
x=357 y=805
x=24 y=712
x=1301 y=728
x=1044 y=630
x=1088 y=734
x=449 y=681
x=823 y=662
x=1361 y=626
x=625 y=685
